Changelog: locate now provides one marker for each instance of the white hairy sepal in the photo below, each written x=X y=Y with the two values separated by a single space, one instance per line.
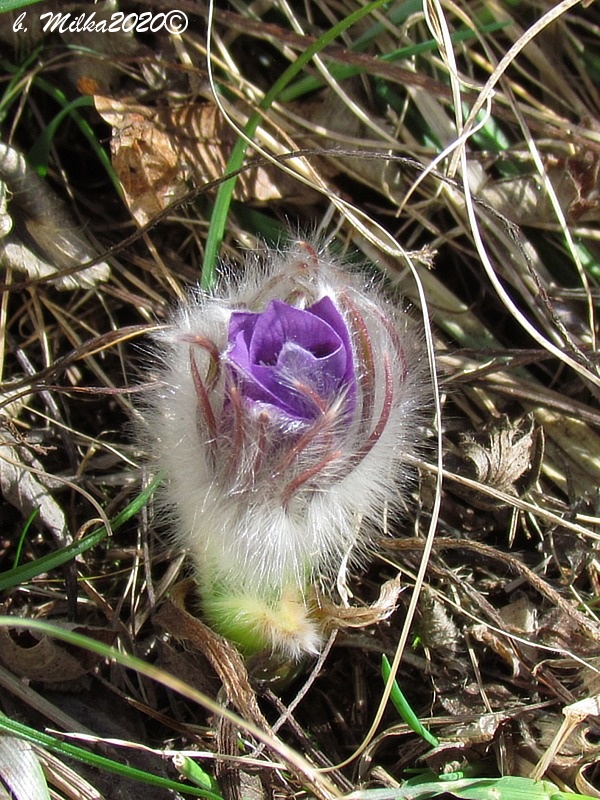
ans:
x=264 y=503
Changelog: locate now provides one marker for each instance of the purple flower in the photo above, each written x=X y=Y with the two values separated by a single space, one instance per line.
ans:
x=295 y=360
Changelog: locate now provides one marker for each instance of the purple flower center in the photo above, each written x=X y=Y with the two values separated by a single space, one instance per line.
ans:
x=297 y=360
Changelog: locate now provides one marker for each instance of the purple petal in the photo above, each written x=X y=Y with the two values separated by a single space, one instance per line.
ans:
x=326 y=310
x=294 y=359
x=281 y=323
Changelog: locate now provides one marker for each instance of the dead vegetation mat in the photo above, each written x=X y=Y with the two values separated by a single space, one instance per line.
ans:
x=104 y=226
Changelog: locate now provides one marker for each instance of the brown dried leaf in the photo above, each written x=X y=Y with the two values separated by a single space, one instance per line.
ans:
x=581 y=782
x=157 y=152
x=223 y=656
x=562 y=631
x=43 y=659
x=520 y=615
x=569 y=743
x=502 y=647
x=574 y=180
x=506 y=456
x=333 y=616
x=22 y=484
x=333 y=118
x=146 y=159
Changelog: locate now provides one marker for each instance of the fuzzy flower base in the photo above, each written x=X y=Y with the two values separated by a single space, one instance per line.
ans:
x=285 y=408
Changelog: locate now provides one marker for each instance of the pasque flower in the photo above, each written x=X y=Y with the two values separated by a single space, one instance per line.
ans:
x=286 y=407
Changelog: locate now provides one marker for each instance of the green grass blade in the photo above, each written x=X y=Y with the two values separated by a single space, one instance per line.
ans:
x=14 y=92
x=225 y=191
x=428 y=786
x=13 y=728
x=14 y=87
x=15 y=5
x=512 y=788
x=38 y=154
x=26 y=572
x=194 y=773
x=403 y=708
x=86 y=130
x=310 y=83
x=23 y=535
x=287 y=753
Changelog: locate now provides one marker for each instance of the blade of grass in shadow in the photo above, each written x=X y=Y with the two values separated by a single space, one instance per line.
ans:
x=225 y=192
x=39 y=154
x=14 y=87
x=341 y=72
x=17 y=575
x=13 y=728
x=87 y=131
x=23 y=536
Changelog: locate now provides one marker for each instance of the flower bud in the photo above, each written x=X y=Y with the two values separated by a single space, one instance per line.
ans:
x=286 y=407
